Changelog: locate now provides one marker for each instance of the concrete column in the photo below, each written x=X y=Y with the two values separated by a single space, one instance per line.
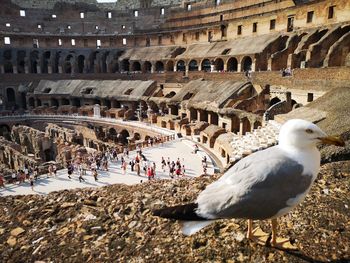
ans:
x=15 y=71
x=269 y=64
x=153 y=68
x=2 y=70
x=225 y=66
x=49 y=69
x=187 y=69
x=60 y=70
x=254 y=65
x=175 y=66
x=241 y=127
x=239 y=67
x=200 y=67
x=38 y=69
x=26 y=69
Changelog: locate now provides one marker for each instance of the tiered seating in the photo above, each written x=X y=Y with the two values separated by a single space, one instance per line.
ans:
x=258 y=139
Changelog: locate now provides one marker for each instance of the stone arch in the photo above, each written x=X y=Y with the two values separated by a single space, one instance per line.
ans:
x=34 y=58
x=219 y=64
x=206 y=65
x=76 y=102
x=159 y=66
x=21 y=61
x=137 y=136
x=123 y=136
x=170 y=65
x=31 y=102
x=54 y=102
x=136 y=66
x=193 y=65
x=65 y=101
x=81 y=63
x=170 y=94
x=11 y=95
x=232 y=64
x=247 y=63
x=181 y=66
x=257 y=124
x=45 y=61
x=8 y=68
x=68 y=67
x=94 y=63
x=246 y=126
x=146 y=67
x=5 y=131
x=125 y=65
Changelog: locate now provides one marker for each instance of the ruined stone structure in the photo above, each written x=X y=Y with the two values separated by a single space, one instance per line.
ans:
x=206 y=69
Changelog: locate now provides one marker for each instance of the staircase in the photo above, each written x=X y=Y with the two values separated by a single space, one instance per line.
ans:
x=258 y=139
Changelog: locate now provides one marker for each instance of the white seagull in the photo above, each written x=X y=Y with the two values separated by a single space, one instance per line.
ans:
x=265 y=185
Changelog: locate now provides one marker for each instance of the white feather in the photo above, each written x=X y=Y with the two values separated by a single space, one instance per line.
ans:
x=191 y=227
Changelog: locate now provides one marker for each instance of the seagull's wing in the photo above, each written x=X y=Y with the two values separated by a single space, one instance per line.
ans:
x=257 y=187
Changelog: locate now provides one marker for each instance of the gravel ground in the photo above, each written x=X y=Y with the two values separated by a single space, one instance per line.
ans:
x=115 y=224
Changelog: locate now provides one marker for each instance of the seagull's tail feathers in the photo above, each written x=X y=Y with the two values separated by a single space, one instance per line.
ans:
x=191 y=222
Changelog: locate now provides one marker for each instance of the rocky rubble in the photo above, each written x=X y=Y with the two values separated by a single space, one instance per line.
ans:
x=115 y=224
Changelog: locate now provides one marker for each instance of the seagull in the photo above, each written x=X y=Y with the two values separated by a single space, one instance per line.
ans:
x=262 y=186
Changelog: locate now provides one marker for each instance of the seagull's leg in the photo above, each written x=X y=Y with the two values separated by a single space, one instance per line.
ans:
x=282 y=243
x=250 y=229
x=256 y=235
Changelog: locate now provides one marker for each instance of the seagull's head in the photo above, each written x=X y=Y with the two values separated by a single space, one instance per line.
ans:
x=304 y=134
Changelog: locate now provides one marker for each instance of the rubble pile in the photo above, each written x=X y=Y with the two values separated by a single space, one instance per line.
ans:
x=115 y=224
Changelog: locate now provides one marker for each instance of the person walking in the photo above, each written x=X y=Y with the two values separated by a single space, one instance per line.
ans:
x=81 y=174
x=31 y=180
x=94 y=173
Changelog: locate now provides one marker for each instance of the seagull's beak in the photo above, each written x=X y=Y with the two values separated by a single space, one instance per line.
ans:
x=332 y=140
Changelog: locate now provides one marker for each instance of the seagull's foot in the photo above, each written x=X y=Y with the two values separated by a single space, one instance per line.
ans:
x=259 y=236
x=283 y=244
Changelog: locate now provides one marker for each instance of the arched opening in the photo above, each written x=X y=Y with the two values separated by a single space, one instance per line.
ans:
x=180 y=65
x=146 y=67
x=137 y=136
x=113 y=135
x=193 y=114
x=11 y=95
x=23 y=100
x=170 y=65
x=76 y=102
x=65 y=102
x=232 y=64
x=125 y=65
x=257 y=124
x=159 y=66
x=235 y=124
x=94 y=67
x=46 y=59
x=31 y=102
x=136 y=66
x=21 y=55
x=81 y=63
x=123 y=136
x=68 y=64
x=246 y=127
x=219 y=64
x=54 y=102
x=5 y=131
x=223 y=30
x=274 y=101
x=247 y=63
x=170 y=94
x=34 y=58
x=8 y=68
x=104 y=62
x=193 y=66
x=116 y=104
x=38 y=102
x=206 y=65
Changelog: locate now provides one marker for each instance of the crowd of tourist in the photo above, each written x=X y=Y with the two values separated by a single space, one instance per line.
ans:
x=95 y=163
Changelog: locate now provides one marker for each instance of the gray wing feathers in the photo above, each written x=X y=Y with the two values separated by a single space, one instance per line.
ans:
x=255 y=188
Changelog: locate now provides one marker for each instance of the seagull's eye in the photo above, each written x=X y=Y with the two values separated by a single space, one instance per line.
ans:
x=309 y=131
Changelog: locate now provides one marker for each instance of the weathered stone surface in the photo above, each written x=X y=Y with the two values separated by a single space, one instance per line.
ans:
x=17 y=231
x=120 y=227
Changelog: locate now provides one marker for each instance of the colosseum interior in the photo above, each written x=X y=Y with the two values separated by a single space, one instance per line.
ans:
x=74 y=74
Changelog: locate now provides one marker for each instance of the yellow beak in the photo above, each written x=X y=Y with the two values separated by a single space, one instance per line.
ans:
x=332 y=140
